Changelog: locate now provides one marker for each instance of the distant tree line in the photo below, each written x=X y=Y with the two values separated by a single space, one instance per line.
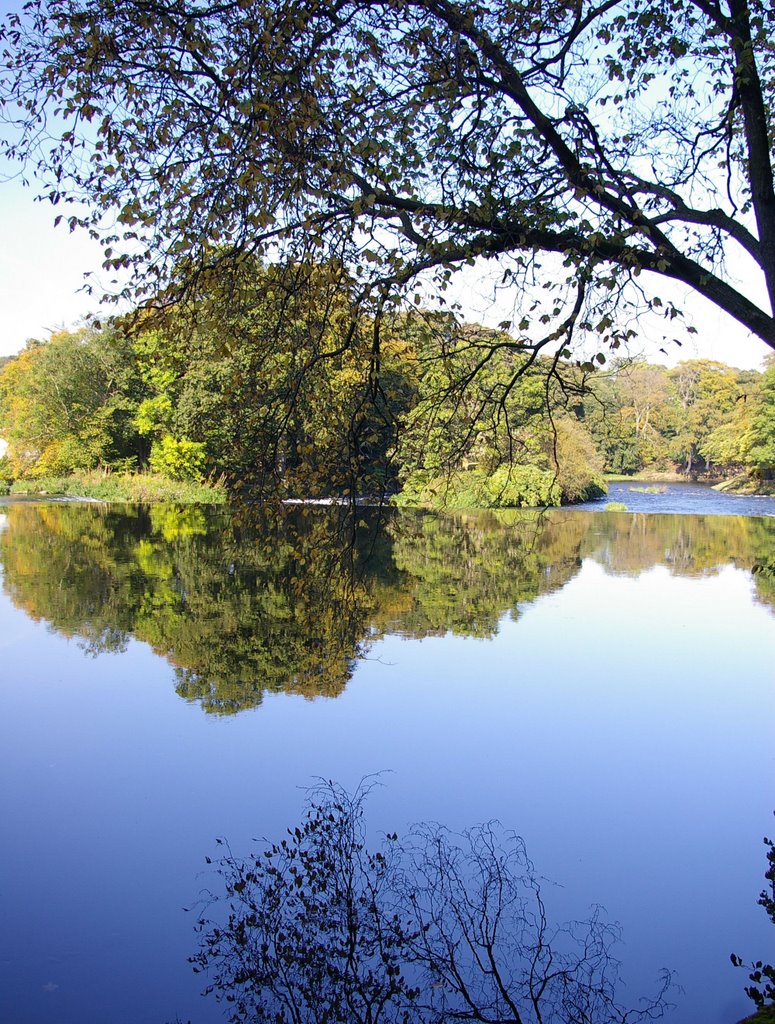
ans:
x=700 y=417
x=279 y=389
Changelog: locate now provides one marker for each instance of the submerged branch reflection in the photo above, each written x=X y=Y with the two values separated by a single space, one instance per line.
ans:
x=433 y=928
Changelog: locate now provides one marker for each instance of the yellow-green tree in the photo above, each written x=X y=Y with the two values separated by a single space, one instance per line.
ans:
x=280 y=385
x=707 y=393
x=760 y=436
x=69 y=403
x=491 y=427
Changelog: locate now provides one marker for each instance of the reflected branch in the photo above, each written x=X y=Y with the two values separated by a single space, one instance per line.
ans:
x=437 y=927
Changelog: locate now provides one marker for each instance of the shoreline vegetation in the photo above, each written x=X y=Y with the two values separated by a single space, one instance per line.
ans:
x=152 y=488
x=133 y=488
x=740 y=483
x=238 y=408
x=743 y=484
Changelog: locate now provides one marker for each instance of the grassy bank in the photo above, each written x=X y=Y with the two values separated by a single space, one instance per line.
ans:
x=128 y=487
x=745 y=485
x=649 y=476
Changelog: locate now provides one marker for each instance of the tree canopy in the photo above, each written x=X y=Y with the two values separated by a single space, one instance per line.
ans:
x=68 y=403
x=268 y=400
x=592 y=146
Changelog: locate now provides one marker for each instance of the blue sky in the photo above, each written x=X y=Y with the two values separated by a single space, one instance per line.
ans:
x=41 y=269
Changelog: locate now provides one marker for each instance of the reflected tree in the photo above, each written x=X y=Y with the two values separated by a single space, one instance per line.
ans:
x=275 y=603
x=764 y=574
x=438 y=927
x=279 y=602
x=465 y=571
x=75 y=567
x=262 y=601
x=630 y=543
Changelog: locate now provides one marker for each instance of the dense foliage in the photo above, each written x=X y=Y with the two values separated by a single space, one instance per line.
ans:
x=69 y=404
x=292 y=405
x=276 y=391
x=699 y=417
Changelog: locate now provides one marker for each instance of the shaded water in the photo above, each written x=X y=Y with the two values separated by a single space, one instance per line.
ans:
x=602 y=683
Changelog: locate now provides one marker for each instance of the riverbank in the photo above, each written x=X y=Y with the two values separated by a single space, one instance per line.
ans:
x=740 y=484
x=745 y=485
x=120 y=487
x=647 y=476
x=97 y=485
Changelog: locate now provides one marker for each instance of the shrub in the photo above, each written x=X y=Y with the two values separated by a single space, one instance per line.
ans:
x=178 y=459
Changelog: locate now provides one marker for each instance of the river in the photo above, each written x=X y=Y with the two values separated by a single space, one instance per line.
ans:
x=683 y=499
x=600 y=682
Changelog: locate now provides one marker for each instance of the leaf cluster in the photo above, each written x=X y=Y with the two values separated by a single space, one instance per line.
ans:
x=762 y=975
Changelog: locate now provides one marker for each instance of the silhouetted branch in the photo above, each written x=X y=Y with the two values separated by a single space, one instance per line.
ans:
x=435 y=928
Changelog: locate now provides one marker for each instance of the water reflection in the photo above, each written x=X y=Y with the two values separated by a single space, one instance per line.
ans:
x=291 y=602
x=427 y=928
x=611 y=725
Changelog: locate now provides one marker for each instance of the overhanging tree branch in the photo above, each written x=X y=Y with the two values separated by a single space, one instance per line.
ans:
x=421 y=132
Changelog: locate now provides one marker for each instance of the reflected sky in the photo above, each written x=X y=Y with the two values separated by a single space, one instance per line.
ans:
x=620 y=721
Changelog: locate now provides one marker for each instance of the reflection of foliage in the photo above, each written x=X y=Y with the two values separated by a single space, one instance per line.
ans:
x=279 y=603
x=467 y=570
x=74 y=566
x=244 y=604
x=274 y=606
x=687 y=545
x=764 y=574
x=762 y=976
x=436 y=928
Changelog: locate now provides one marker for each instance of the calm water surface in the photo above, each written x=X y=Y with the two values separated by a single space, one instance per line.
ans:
x=600 y=682
x=683 y=499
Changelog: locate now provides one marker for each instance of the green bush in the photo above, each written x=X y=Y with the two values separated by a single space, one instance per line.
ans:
x=522 y=487
x=178 y=459
x=41 y=485
x=65 y=455
x=515 y=486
